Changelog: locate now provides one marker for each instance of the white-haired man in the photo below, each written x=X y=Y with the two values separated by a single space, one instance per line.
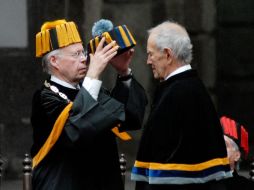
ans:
x=182 y=145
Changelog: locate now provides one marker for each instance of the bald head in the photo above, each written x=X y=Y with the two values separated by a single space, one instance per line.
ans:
x=174 y=36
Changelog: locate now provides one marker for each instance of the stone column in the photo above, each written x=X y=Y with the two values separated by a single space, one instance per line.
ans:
x=1 y=152
x=92 y=11
x=200 y=21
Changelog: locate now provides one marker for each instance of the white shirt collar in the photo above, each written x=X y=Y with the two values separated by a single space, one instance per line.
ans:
x=61 y=82
x=179 y=70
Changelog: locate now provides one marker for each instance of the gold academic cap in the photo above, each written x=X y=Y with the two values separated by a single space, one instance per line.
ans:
x=54 y=35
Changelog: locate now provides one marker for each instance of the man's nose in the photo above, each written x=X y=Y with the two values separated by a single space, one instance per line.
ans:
x=148 y=61
x=83 y=58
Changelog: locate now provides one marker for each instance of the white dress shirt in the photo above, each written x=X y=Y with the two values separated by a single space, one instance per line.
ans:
x=91 y=85
x=179 y=70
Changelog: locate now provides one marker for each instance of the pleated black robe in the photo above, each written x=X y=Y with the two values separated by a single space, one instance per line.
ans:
x=85 y=155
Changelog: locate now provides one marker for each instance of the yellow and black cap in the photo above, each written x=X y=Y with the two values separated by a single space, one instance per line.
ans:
x=54 y=35
x=120 y=34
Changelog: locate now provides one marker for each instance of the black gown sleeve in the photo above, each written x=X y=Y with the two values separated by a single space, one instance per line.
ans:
x=135 y=100
x=90 y=117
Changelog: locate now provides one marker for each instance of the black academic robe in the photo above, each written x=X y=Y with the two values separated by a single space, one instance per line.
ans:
x=85 y=155
x=182 y=142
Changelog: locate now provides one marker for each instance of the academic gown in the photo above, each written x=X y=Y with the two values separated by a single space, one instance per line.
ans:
x=85 y=156
x=182 y=142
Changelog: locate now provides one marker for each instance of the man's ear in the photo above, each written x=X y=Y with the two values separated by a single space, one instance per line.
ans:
x=54 y=61
x=169 y=54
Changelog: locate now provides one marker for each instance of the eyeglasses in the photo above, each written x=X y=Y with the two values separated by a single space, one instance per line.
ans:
x=77 y=54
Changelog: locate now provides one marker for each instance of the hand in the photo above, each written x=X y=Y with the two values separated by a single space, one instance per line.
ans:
x=100 y=59
x=121 y=62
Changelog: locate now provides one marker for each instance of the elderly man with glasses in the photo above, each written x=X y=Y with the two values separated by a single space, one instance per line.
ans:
x=75 y=121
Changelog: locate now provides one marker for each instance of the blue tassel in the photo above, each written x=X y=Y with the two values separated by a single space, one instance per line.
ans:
x=101 y=26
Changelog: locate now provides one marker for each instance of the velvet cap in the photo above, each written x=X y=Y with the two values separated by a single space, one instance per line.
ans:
x=120 y=34
x=54 y=35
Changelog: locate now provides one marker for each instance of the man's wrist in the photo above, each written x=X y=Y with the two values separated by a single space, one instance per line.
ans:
x=124 y=73
x=92 y=86
x=125 y=77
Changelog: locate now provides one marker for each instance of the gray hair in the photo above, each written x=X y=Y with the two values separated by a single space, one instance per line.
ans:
x=46 y=64
x=233 y=143
x=172 y=35
x=236 y=148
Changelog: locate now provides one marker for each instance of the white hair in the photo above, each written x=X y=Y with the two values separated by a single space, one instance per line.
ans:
x=232 y=142
x=46 y=64
x=235 y=148
x=172 y=35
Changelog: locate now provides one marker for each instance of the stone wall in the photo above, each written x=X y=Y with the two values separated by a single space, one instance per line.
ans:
x=235 y=68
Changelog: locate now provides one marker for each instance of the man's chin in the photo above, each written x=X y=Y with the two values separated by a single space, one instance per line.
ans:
x=155 y=76
x=82 y=74
x=80 y=78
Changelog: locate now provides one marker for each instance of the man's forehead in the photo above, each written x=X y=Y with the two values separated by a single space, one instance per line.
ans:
x=151 y=45
x=73 y=46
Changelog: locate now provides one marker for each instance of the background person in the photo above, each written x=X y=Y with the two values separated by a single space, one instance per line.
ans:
x=237 y=143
